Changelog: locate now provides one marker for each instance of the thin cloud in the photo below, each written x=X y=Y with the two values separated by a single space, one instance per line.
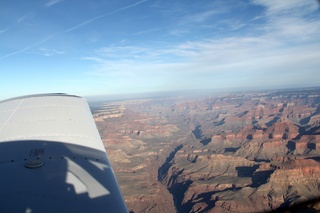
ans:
x=290 y=19
x=210 y=62
x=295 y=7
x=272 y=55
x=86 y=22
x=28 y=47
x=3 y=31
x=201 y=17
x=48 y=52
x=197 y=18
x=52 y=2
x=146 y=31
x=25 y=17
x=178 y=32
x=120 y=53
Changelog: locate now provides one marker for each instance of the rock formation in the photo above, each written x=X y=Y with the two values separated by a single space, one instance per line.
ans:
x=239 y=152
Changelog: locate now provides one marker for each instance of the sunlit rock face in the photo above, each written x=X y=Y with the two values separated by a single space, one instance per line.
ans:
x=248 y=152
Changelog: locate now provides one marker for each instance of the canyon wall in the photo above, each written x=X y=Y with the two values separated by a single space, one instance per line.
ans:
x=239 y=152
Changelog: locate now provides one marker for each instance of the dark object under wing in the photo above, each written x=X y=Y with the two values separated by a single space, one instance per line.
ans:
x=52 y=158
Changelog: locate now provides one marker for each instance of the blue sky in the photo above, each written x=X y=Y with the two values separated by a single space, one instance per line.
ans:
x=118 y=47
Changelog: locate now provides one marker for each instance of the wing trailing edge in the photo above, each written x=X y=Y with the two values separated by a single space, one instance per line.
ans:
x=52 y=158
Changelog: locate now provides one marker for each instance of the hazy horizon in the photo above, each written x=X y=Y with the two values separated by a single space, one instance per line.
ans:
x=200 y=93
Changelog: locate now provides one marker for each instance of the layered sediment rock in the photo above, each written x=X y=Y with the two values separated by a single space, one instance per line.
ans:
x=230 y=153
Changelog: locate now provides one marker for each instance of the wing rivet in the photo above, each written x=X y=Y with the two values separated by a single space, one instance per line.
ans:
x=32 y=164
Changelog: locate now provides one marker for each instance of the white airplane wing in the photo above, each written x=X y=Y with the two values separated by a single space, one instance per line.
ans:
x=52 y=158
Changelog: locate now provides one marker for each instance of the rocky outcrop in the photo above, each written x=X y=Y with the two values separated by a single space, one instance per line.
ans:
x=294 y=181
x=158 y=200
x=230 y=153
x=274 y=141
x=307 y=144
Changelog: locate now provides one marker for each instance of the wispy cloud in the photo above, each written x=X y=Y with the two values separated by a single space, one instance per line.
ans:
x=120 y=53
x=146 y=31
x=253 y=61
x=213 y=16
x=47 y=52
x=178 y=32
x=290 y=19
x=282 y=51
x=52 y=2
x=3 y=31
x=25 y=17
x=28 y=47
x=215 y=47
x=201 y=17
x=284 y=8
x=88 y=21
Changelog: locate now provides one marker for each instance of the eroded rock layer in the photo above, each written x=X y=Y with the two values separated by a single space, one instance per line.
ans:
x=248 y=152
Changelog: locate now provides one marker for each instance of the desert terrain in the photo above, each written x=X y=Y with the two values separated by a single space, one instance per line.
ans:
x=230 y=152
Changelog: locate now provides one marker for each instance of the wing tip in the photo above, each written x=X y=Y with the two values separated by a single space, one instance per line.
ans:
x=40 y=95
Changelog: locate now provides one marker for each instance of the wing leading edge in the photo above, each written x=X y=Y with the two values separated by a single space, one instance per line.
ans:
x=52 y=158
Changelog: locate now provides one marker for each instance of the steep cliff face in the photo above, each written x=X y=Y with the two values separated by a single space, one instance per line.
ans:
x=294 y=181
x=270 y=142
x=307 y=145
x=232 y=153
x=134 y=143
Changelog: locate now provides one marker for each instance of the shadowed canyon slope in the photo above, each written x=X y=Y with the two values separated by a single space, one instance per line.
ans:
x=237 y=152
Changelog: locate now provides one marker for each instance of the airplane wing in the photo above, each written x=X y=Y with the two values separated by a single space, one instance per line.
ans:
x=52 y=158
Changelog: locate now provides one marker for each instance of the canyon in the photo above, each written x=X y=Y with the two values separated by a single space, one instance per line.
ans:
x=253 y=151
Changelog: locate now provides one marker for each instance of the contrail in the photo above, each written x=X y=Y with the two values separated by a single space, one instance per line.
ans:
x=4 y=30
x=52 y=2
x=72 y=28
x=26 y=48
x=103 y=15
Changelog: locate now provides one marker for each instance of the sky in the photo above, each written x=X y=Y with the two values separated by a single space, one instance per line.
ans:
x=101 y=47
